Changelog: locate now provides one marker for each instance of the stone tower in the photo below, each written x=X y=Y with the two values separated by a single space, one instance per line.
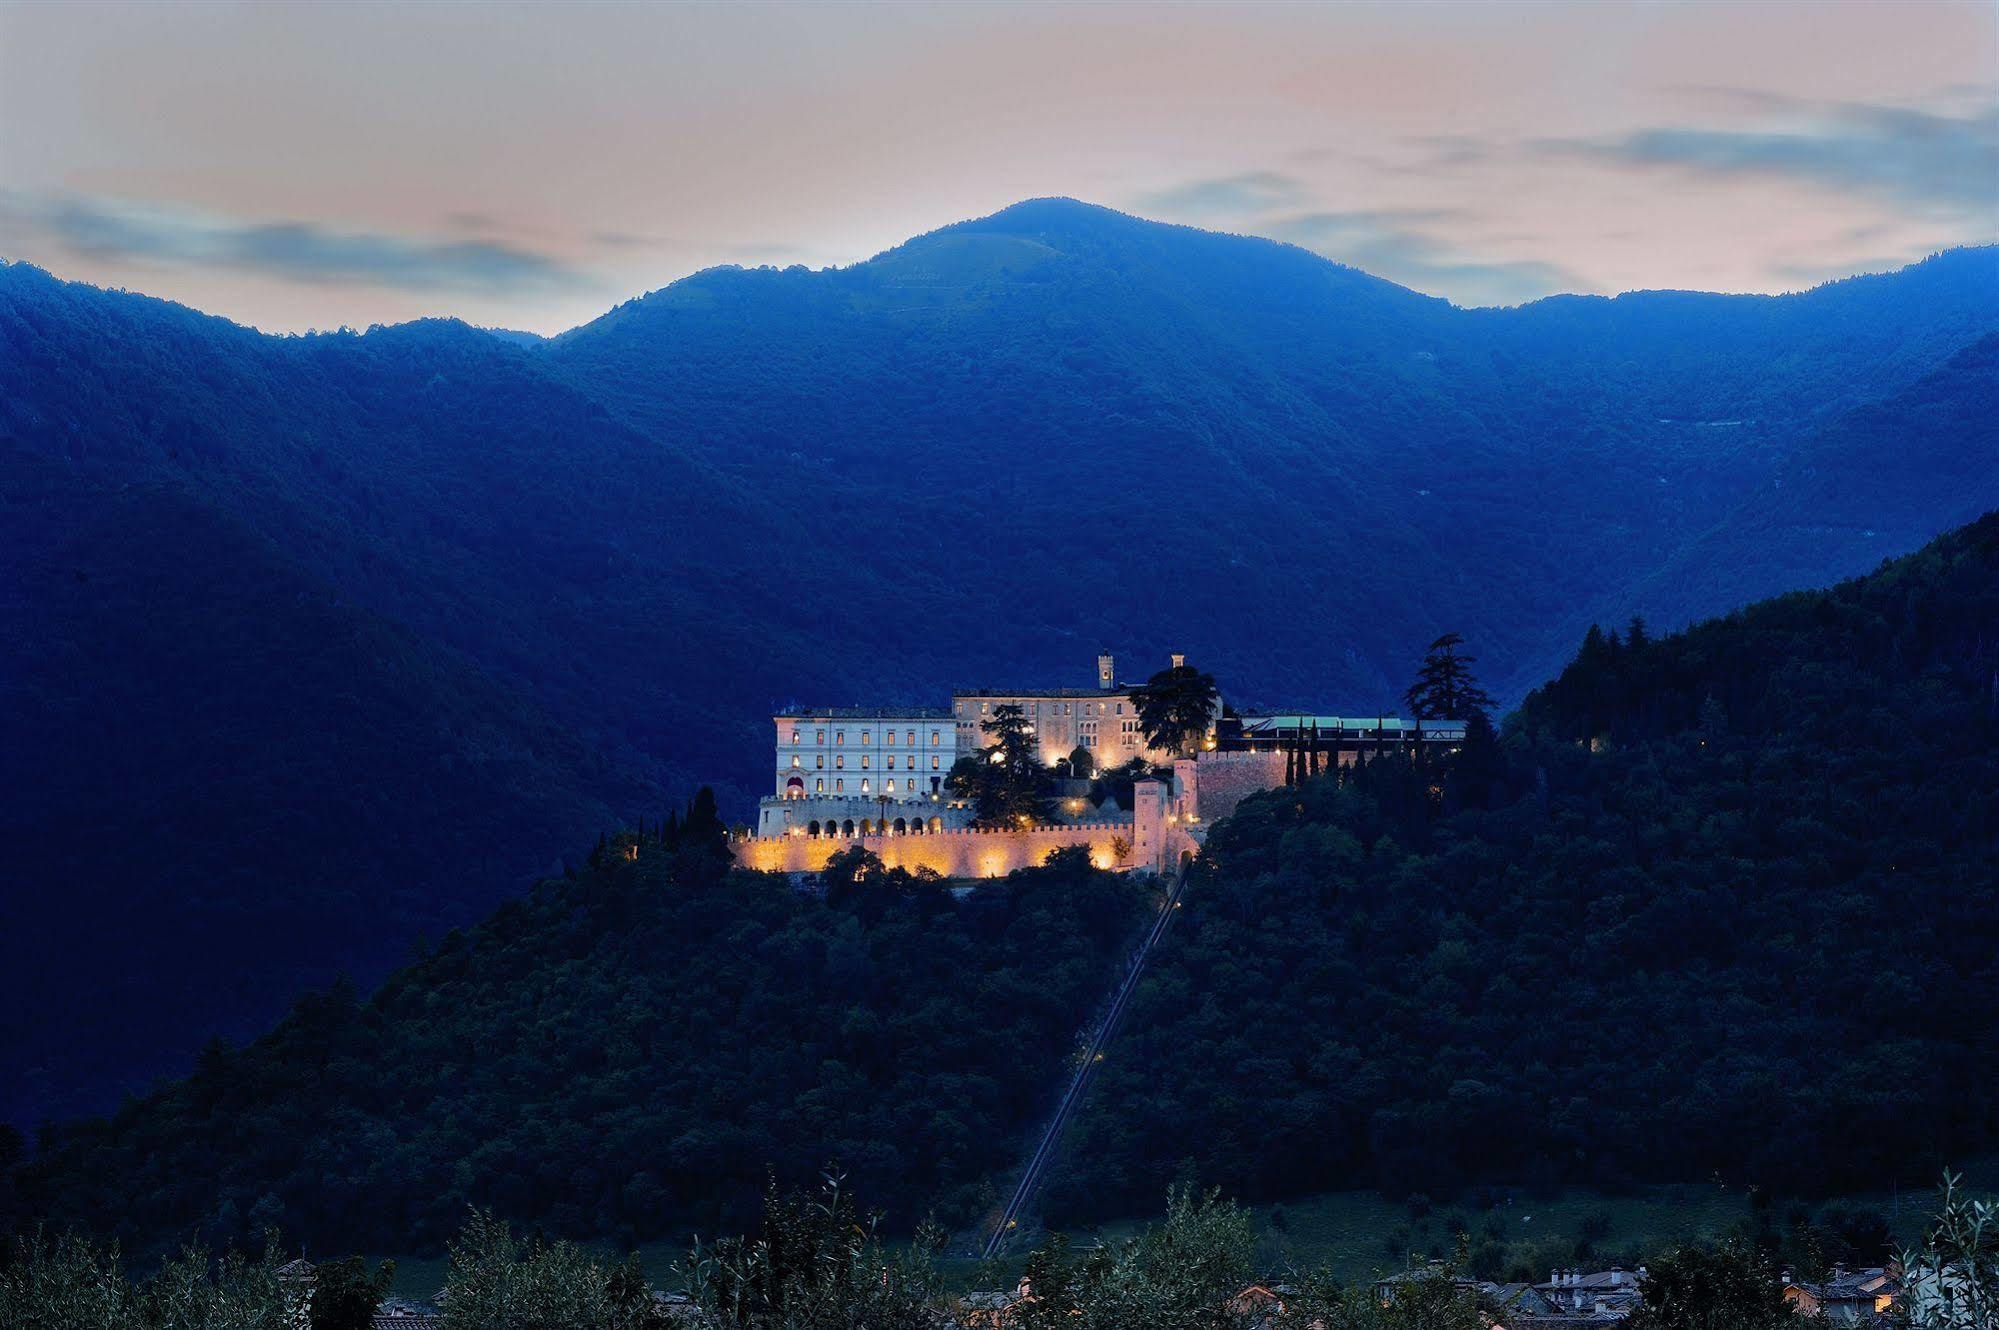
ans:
x=1106 y=672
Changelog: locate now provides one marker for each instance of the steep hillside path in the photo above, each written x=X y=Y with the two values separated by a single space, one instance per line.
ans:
x=1044 y=1150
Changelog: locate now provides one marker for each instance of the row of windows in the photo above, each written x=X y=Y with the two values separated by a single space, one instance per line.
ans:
x=795 y=787
x=1054 y=708
x=867 y=737
x=914 y=826
x=840 y=762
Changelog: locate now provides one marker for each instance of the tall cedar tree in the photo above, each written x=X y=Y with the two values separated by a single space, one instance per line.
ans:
x=1175 y=707
x=1005 y=782
x=1445 y=688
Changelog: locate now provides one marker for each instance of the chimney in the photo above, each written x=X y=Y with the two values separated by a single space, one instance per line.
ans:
x=1106 y=673
x=1179 y=661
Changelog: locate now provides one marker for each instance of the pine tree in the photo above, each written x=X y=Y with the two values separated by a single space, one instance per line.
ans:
x=1175 y=707
x=1445 y=688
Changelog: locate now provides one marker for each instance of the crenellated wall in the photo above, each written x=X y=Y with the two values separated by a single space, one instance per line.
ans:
x=1169 y=820
x=963 y=854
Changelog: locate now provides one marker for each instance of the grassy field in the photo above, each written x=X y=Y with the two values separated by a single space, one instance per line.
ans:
x=1360 y=1234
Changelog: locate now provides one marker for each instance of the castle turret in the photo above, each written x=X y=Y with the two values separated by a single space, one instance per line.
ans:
x=1106 y=672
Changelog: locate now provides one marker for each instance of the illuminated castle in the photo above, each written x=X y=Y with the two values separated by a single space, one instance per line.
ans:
x=876 y=776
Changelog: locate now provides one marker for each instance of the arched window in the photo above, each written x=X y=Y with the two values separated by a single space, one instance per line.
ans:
x=847 y=827
x=901 y=827
x=795 y=788
x=936 y=824
x=812 y=827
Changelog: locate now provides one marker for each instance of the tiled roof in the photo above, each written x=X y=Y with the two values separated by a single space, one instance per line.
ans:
x=862 y=713
x=1123 y=690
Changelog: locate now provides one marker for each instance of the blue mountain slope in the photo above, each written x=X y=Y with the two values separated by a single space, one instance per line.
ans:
x=979 y=456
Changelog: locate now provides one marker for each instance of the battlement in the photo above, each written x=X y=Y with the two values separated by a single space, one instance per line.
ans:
x=960 y=852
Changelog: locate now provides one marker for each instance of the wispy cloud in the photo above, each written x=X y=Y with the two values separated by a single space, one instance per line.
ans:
x=1228 y=196
x=1925 y=158
x=1391 y=243
x=120 y=231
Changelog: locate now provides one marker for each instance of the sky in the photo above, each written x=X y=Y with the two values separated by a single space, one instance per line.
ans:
x=299 y=166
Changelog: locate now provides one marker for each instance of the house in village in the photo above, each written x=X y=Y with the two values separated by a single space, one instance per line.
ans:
x=1609 y=1294
x=1847 y=1297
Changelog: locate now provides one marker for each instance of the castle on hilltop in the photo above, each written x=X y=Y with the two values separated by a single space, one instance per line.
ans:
x=877 y=776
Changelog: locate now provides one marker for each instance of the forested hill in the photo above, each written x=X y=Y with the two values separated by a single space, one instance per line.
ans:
x=625 y=1054
x=1719 y=902
x=754 y=488
x=1723 y=903
x=226 y=782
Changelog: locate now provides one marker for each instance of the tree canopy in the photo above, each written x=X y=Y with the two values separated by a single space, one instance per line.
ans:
x=1445 y=687
x=1005 y=780
x=1176 y=708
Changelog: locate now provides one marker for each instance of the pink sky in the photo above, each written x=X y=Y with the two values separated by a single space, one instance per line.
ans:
x=298 y=166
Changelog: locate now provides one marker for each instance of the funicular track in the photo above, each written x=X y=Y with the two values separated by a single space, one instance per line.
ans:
x=1044 y=1151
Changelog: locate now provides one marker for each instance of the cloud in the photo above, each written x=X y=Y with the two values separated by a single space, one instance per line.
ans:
x=1940 y=162
x=1388 y=242
x=1229 y=196
x=299 y=251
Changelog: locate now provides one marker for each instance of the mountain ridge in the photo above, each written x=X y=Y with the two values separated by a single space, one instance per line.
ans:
x=871 y=484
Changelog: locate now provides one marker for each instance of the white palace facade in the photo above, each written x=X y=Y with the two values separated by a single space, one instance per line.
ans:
x=870 y=767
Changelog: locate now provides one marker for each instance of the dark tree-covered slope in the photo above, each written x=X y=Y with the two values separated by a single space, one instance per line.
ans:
x=625 y=1053
x=224 y=782
x=1721 y=903
x=1873 y=481
x=972 y=460
x=1716 y=902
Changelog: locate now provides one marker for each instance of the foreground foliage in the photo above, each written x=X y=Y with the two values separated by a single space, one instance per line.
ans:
x=817 y=1263
x=1953 y=1276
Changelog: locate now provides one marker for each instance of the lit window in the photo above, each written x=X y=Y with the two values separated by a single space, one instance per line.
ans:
x=839 y=761
x=819 y=761
x=864 y=761
x=866 y=737
x=819 y=786
x=912 y=738
x=839 y=786
x=933 y=763
x=891 y=785
x=794 y=736
x=891 y=761
x=864 y=785
x=821 y=737
x=933 y=736
x=794 y=761
x=891 y=737
x=839 y=736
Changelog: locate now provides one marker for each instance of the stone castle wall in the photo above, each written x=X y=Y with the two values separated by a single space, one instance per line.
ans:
x=1226 y=779
x=963 y=854
x=1168 y=822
